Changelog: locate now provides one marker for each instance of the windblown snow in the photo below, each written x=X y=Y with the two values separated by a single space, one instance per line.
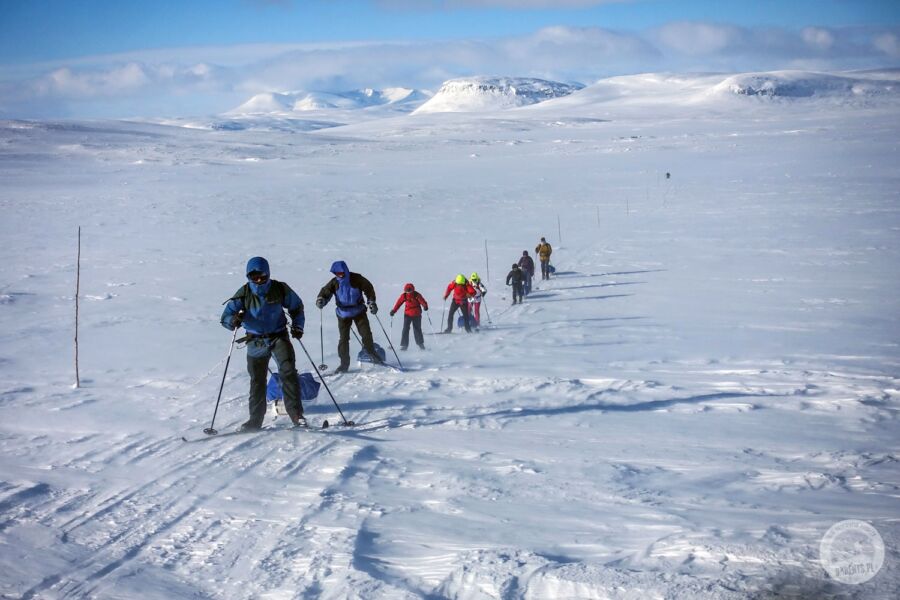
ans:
x=707 y=384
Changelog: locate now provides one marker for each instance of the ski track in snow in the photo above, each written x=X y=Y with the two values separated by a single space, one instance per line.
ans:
x=709 y=382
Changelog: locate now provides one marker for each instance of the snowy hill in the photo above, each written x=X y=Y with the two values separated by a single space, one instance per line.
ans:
x=474 y=94
x=803 y=84
x=709 y=382
x=718 y=90
x=268 y=102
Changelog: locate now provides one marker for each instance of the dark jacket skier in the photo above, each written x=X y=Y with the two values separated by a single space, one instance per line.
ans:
x=515 y=279
x=348 y=290
x=526 y=263
x=412 y=315
x=259 y=307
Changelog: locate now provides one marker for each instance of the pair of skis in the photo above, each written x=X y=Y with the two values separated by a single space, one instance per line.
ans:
x=309 y=428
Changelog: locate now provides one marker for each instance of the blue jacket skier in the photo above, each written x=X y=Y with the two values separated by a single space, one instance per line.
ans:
x=259 y=307
x=352 y=293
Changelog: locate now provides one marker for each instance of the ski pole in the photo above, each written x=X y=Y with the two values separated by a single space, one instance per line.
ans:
x=431 y=325
x=486 y=311
x=209 y=430
x=322 y=366
x=444 y=311
x=322 y=379
x=390 y=343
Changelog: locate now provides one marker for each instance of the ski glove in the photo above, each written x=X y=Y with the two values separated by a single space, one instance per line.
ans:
x=373 y=308
x=393 y=312
x=425 y=308
x=296 y=332
x=236 y=320
x=320 y=302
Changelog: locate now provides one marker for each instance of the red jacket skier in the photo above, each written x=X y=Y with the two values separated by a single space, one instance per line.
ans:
x=415 y=302
x=462 y=290
x=412 y=315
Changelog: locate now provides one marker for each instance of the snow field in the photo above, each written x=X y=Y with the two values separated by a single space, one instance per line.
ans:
x=708 y=385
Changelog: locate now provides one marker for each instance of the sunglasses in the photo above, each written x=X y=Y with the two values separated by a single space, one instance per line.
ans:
x=257 y=277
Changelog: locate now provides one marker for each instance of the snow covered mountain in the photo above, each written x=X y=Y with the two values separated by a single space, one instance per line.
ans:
x=280 y=103
x=804 y=84
x=475 y=94
x=299 y=111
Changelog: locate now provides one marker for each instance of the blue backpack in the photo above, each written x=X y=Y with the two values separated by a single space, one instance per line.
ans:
x=309 y=387
x=473 y=322
x=365 y=357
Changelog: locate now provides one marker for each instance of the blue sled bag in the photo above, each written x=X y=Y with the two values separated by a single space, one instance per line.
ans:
x=309 y=387
x=364 y=356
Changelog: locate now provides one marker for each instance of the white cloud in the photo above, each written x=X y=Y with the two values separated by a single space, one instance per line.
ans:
x=697 y=39
x=889 y=43
x=69 y=82
x=818 y=38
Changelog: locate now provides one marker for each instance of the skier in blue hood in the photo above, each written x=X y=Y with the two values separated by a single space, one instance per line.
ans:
x=259 y=306
x=348 y=290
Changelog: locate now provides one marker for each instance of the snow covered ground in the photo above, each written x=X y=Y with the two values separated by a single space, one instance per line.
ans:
x=710 y=382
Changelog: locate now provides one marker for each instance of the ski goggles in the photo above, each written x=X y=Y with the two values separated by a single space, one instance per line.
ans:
x=258 y=277
x=339 y=274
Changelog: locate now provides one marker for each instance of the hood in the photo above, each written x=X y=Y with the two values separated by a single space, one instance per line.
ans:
x=258 y=263
x=340 y=266
x=409 y=287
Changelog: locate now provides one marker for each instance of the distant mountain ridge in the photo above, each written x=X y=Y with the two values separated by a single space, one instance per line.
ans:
x=473 y=94
x=283 y=103
x=609 y=97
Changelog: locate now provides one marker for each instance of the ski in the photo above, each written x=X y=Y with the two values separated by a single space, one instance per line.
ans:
x=314 y=428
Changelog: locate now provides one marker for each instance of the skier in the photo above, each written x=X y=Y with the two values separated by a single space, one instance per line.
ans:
x=259 y=306
x=462 y=291
x=515 y=279
x=348 y=290
x=544 y=250
x=412 y=315
x=475 y=301
x=526 y=263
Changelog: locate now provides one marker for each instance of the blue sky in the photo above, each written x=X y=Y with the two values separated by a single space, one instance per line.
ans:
x=96 y=57
x=40 y=30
